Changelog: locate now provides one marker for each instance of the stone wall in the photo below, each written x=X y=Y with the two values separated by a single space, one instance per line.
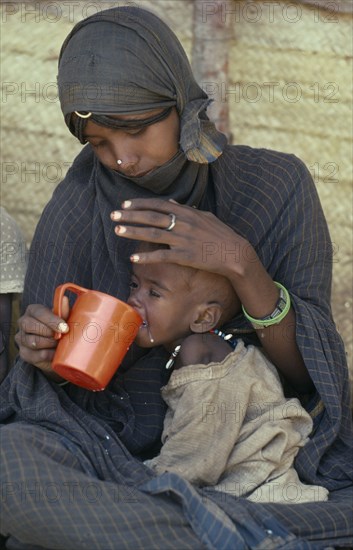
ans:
x=290 y=89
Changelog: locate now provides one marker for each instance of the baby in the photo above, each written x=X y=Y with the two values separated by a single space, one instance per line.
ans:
x=228 y=424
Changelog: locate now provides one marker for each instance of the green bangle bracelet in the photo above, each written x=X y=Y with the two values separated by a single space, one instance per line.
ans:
x=279 y=313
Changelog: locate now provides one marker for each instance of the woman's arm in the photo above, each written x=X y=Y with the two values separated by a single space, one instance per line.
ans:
x=193 y=232
x=259 y=296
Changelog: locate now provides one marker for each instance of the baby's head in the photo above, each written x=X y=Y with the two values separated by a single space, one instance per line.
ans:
x=176 y=301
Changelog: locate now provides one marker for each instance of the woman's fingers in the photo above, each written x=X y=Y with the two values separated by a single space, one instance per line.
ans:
x=163 y=256
x=41 y=321
x=143 y=217
x=36 y=349
x=196 y=238
x=35 y=337
x=34 y=340
x=154 y=226
x=158 y=205
x=39 y=358
x=149 y=234
x=152 y=212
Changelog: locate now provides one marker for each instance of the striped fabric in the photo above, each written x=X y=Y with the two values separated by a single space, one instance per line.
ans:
x=57 y=439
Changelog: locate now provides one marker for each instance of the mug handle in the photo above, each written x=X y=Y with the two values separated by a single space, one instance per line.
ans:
x=58 y=298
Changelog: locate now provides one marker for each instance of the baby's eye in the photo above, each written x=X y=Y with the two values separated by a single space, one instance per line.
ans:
x=154 y=293
x=132 y=285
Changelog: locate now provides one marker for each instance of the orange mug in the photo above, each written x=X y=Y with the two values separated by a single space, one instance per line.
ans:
x=102 y=328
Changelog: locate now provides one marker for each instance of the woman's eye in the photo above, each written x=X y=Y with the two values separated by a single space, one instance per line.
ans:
x=97 y=145
x=134 y=131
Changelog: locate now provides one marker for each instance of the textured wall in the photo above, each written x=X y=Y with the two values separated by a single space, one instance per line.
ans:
x=290 y=89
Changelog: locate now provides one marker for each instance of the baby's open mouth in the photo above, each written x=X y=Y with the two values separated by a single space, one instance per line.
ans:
x=146 y=326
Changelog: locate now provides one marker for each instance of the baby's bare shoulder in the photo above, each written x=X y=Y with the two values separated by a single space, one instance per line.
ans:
x=203 y=349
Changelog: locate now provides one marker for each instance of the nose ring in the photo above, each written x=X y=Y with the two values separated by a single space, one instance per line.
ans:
x=119 y=162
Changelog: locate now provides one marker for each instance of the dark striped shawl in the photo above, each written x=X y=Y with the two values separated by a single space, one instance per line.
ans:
x=265 y=196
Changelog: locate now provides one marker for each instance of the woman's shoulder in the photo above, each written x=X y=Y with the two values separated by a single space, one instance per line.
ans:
x=246 y=158
x=244 y=171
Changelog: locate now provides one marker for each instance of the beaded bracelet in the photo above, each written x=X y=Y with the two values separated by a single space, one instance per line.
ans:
x=278 y=314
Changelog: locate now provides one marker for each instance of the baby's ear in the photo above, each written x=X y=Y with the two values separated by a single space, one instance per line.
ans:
x=205 y=317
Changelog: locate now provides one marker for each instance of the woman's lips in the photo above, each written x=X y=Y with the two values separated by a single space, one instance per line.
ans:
x=138 y=175
x=132 y=173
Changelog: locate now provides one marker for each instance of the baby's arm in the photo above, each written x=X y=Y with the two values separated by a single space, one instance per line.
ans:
x=202 y=349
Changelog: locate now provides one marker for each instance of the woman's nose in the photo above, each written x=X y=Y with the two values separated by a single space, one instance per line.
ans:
x=124 y=154
x=126 y=163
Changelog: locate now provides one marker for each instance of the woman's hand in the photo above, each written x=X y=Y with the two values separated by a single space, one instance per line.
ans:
x=35 y=338
x=197 y=239
x=200 y=240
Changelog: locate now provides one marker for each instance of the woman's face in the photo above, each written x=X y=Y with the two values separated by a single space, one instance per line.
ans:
x=141 y=150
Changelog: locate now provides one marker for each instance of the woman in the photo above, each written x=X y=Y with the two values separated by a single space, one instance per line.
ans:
x=253 y=216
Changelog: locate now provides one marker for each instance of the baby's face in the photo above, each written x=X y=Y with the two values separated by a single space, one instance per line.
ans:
x=164 y=299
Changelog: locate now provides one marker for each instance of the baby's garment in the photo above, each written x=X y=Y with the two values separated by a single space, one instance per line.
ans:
x=228 y=425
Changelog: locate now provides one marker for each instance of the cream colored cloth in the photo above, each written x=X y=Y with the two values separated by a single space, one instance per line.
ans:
x=12 y=255
x=228 y=425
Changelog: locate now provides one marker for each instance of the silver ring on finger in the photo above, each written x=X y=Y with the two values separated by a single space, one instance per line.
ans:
x=172 y=222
